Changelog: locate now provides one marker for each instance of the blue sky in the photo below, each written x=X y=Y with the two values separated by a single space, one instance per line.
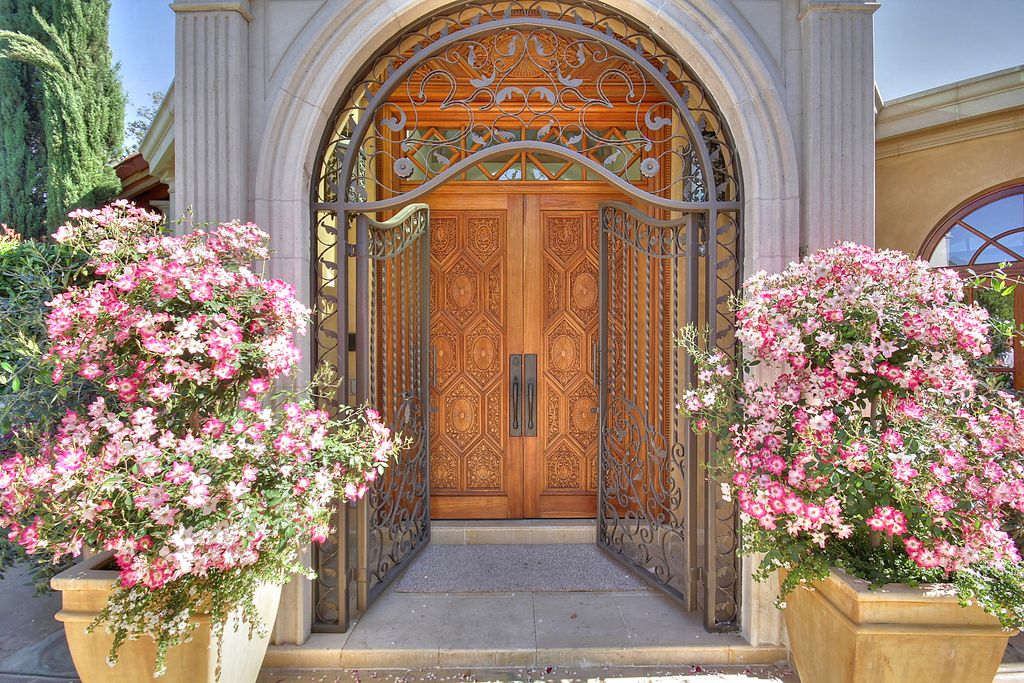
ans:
x=919 y=44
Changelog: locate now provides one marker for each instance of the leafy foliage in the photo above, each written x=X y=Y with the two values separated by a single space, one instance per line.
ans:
x=31 y=274
x=83 y=105
x=23 y=155
x=137 y=128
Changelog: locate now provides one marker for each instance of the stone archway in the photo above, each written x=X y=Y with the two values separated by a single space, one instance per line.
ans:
x=730 y=66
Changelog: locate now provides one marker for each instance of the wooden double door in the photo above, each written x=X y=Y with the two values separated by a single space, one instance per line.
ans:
x=514 y=274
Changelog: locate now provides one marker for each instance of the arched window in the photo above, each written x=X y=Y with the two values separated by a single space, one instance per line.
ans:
x=983 y=232
x=978 y=236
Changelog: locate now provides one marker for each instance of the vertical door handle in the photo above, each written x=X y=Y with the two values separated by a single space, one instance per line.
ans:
x=530 y=374
x=515 y=411
x=515 y=404
x=531 y=407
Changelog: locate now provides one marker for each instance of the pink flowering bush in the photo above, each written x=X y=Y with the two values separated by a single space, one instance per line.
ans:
x=859 y=431
x=200 y=480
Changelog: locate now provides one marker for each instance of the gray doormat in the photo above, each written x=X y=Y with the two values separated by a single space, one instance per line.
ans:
x=511 y=567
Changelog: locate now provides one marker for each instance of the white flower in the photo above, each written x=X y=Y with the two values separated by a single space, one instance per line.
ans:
x=825 y=339
x=186 y=329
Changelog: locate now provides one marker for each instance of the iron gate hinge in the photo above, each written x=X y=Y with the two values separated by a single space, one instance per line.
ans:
x=350 y=249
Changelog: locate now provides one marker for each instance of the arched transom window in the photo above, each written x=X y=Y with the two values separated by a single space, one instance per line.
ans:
x=985 y=233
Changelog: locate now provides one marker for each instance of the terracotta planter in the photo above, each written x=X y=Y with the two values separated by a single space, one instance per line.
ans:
x=85 y=588
x=842 y=632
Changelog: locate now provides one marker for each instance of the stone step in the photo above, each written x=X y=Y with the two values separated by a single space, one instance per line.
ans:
x=328 y=651
x=521 y=531
x=541 y=674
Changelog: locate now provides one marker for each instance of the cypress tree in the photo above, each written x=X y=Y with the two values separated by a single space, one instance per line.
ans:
x=23 y=168
x=83 y=103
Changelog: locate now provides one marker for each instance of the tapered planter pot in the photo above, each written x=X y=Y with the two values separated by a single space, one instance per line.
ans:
x=84 y=590
x=842 y=632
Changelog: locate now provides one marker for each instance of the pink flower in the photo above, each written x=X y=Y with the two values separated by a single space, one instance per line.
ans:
x=213 y=427
x=251 y=403
x=222 y=452
x=892 y=439
x=198 y=495
x=161 y=391
x=179 y=473
x=888 y=519
x=259 y=385
x=90 y=370
x=164 y=515
x=902 y=471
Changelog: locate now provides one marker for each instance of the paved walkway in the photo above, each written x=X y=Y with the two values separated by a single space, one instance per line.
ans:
x=32 y=647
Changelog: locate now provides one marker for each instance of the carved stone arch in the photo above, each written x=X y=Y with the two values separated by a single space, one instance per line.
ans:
x=327 y=55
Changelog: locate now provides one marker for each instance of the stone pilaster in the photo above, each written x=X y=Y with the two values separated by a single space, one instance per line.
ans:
x=838 y=180
x=211 y=109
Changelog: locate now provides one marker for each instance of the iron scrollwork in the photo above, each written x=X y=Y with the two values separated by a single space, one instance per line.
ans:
x=396 y=520
x=645 y=484
x=513 y=79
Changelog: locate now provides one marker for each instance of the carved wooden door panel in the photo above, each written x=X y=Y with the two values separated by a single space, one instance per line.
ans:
x=561 y=327
x=475 y=322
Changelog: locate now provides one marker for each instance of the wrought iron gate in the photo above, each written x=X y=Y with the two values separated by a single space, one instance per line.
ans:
x=652 y=480
x=392 y=375
x=392 y=345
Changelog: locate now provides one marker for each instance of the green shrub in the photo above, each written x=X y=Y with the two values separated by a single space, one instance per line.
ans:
x=31 y=273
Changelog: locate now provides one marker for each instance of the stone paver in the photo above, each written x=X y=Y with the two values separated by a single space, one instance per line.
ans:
x=1015 y=650
x=32 y=646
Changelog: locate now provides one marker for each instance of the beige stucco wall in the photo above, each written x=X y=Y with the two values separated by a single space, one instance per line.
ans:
x=917 y=189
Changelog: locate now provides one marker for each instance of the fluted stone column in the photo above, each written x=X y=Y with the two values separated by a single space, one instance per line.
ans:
x=211 y=109
x=838 y=180
x=211 y=137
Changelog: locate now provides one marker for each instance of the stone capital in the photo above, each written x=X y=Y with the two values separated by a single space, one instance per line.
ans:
x=814 y=6
x=239 y=6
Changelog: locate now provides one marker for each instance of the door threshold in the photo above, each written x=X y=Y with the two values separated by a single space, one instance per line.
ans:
x=519 y=531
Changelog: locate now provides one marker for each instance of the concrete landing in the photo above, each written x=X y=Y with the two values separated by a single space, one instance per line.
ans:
x=510 y=567
x=524 y=629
